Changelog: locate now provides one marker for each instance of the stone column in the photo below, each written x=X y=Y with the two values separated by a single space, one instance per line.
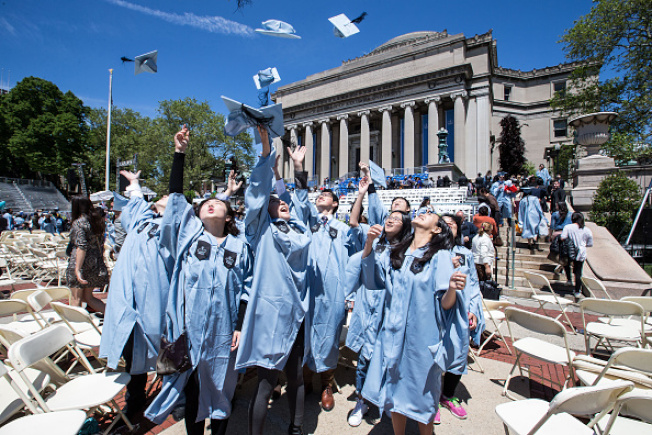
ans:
x=344 y=144
x=408 y=134
x=307 y=163
x=433 y=128
x=460 y=123
x=386 y=146
x=325 y=169
x=364 y=136
x=483 y=111
x=295 y=143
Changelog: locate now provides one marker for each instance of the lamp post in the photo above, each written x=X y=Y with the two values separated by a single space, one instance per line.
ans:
x=108 y=133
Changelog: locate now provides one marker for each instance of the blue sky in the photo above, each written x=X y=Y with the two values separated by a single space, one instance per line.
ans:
x=207 y=48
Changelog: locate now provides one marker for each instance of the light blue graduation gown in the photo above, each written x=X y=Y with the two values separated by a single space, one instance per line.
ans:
x=377 y=213
x=278 y=301
x=503 y=197
x=409 y=357
x=331 y=246
x=138 y=291
x=531 y=218
x=209 y=281
x=459 y=333
x=545 y=176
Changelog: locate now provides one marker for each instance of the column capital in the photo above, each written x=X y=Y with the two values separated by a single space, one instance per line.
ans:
x=407 y=104
x=342 y=116
x=364 y=113
x=459 y=94
x=291 y=127
x=436 y=99
x=387 y=108
x=482 y=92
x=324 y=121
x=307 y=124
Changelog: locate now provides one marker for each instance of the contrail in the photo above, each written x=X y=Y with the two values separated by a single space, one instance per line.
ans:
x=211 y=24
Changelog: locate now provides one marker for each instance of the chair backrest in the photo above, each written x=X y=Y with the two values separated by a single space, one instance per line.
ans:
x=632 y=358
x=537 y=281
x=72 y=315
x=491 y=305
x=38 y=300
x=11 y=307
x=22 y=295
x=644 y=301
x=535 y=322
x=611 y=308
x=9 y=335
x=58 y=293
x=592 y=285
x=589 y=400
x=29 y=350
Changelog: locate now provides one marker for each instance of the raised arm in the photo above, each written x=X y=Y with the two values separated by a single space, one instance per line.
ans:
x=356 y=210
x=137 y=209
x=257 y=195
x=305 y=211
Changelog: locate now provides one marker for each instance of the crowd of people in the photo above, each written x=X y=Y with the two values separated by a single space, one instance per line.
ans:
x=50 y=221
x=267 y=285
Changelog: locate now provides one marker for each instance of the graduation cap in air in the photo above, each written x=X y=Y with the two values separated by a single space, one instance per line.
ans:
x=242 y=116
x=266 y=77
x=146 y=63
x=345 y=27
x=119 y=201
x=377 y=174
x=278 y=28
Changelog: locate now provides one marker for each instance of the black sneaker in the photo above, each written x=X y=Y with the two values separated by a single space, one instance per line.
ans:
x=295 y=430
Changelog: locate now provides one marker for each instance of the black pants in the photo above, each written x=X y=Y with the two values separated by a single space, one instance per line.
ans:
x=267 y=381
x=450 y=384
x=577 y=271
x=218 y=427
x=136 y=393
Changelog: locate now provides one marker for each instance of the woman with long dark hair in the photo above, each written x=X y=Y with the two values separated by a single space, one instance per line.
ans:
x=86 y=268
x=582 y=237
x=368 y=304
x=468 y=326
x=421 y=297
x=208 y=296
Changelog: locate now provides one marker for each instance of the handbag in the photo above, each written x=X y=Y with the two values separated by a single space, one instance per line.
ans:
x=498 y=241
x=173 y=357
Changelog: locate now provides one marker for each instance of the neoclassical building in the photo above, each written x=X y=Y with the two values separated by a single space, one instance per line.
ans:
x=388 y=106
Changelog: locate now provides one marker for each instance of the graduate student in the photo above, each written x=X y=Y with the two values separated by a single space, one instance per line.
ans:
x=208 y=296
x=273 y=333
x=470 y=324
x=368 y=304
x=531 y=219
x=377 y=211
x=329 y=253
x=421 y=297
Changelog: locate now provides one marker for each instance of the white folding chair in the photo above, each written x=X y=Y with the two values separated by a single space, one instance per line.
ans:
x=57 y=423
x=14 y=311
x=646 y=303
x=629 y=364
x=538 y=281
x=606 y=333
x=87 y=392
x=535 y=347
x=636 y=404
x=595 y=285
x=536 y=416
x=7 y=279
x=494 y=312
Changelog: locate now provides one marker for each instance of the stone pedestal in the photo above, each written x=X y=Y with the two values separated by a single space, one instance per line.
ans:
x=589 y=173
x=442 y=169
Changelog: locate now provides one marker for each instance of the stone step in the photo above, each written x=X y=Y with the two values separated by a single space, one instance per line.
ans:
x=545 y=270
x=502 y=251
x=520 y=281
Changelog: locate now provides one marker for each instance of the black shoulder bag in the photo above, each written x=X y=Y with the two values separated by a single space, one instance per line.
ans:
x=173 y=357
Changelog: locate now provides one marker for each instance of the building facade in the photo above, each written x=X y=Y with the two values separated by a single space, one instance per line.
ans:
x=388 y=106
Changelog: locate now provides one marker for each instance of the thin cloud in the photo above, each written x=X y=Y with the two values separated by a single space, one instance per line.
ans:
x=4 y=24
x=213 y=24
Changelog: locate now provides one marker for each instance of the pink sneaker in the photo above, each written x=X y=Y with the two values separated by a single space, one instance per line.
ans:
x=437 y=419
x=454 y=406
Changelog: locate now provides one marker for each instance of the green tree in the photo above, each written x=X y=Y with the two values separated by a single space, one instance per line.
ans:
x=511 y=147
x=615 y=37
x=564 y=160
x=208 y=144
x=615 y=202
x=42 y=130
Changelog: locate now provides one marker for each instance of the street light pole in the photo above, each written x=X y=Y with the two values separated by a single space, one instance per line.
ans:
x=108 y=133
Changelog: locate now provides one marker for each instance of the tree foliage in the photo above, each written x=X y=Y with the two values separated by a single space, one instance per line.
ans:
x=615 y=202
x=42 y=130
x=511 y=146
x=615 y=37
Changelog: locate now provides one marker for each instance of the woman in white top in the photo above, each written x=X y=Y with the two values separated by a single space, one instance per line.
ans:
x=582 y=237
x=483 y=251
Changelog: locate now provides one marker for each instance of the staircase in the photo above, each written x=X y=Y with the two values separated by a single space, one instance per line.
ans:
x=15 y=199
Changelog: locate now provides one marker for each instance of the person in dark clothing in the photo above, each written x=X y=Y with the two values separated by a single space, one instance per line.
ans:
x=557 y=196
x=467 y=229
x=440 y=182
x=463 y=181
x=479 y=182
x=447 y=181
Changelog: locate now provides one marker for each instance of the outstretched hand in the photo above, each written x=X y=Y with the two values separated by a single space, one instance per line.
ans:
x=130 y=175
x=364 y=170
x=297 y=156
x=232 y=185
x=363 y=186
x=181 y=139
